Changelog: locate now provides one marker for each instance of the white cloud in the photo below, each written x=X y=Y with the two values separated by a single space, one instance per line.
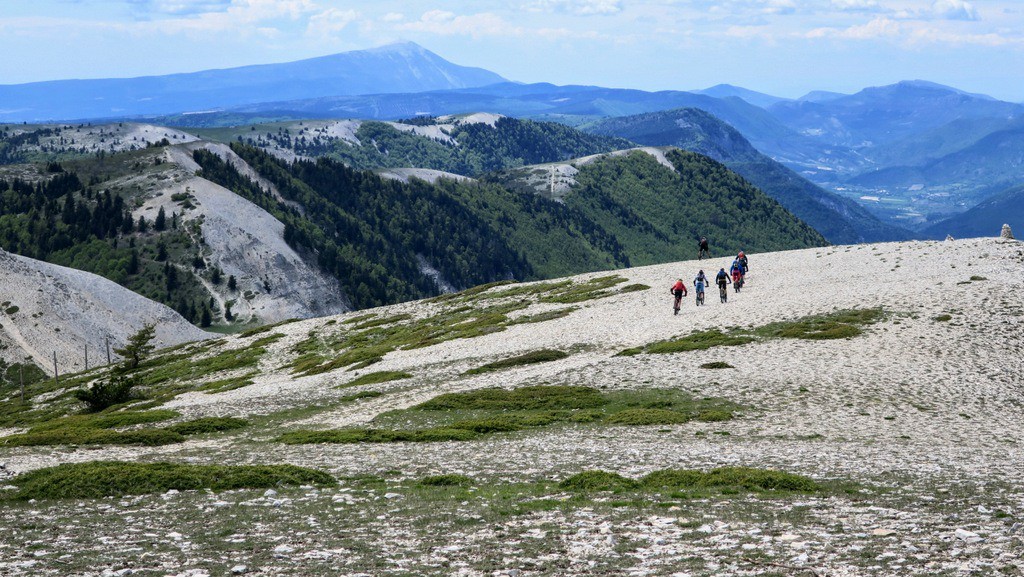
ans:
x=880 y=27
x=857 y=5
x=444 y=23
x=954 y=10
x=329 y=22
x=393 y=17
x=578 y=7
x=780 y=7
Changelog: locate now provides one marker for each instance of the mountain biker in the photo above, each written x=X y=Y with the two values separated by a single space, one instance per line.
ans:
x=743 y=261
x=702 y=248
x=737 y=275
x=723 y=279
x=699 y=282
x=679 y=291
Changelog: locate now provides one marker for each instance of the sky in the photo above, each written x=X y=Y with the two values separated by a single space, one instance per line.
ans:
x=782 y=47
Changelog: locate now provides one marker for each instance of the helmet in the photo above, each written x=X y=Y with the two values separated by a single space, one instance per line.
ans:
x=701 y=272
x=741 y=253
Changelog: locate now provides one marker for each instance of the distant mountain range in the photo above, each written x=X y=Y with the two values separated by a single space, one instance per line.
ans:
x=911 y=153
x=400 y=68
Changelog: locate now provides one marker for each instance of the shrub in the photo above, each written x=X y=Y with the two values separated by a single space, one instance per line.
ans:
x=344 y=436
x=638 y=417
x=376 y=378
x=597 y=481
x=105 y=420
x=111 y=478
x=717 y=365
x=447 y=480
x=208 y=425
x=531 y=358
x=105 y=394
x=743 y=477
x=87 y=436
x=714 y=416
x=536 y=397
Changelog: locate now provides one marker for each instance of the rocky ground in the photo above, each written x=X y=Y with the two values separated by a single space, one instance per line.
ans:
x=913 y=428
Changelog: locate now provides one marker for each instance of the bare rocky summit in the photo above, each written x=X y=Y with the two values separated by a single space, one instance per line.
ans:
x=913 y=425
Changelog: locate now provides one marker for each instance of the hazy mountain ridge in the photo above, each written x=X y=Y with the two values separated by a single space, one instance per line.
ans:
x=396 y=68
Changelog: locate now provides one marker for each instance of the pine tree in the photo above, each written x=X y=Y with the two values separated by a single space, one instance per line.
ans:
x=161 y=220
x=138 y=348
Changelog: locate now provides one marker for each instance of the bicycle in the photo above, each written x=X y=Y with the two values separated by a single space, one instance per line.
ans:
x=723 y=293
x=700 y=298
x=676 y=304
x=703 y=254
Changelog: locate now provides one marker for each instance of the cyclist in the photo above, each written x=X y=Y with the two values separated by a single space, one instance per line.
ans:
x=679 y=291
x=699 y=282
x=723 y=280
x=702 y=248
x=737 y=276
x=743 y=261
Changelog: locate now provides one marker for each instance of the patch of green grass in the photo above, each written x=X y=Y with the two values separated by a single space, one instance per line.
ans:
x=724 y=477
x=111 y=478
x=639 y=417
x=530 y=358
x=574 y=292
x=109 y=420
x=447 y=480
x=344 y=436
x=361 y=395
x=228 y=384
x=376 y=378
x=378 y=322
x=942 y=318
x=86 y=436
x=545 y=316
x=632 y=288
x=489 y=411
x=701 y=340
x=208 y=425
x=976 y=278
x=257 y=330
x=835 y=325
x=717 y=365
x=589 y=481
x=727 y=480
x=531 y=398
x=714 y=416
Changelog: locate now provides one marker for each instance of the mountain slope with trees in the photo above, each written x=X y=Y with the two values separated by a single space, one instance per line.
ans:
x=840 y=220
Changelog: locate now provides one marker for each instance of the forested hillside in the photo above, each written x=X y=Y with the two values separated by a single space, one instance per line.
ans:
x=59 y=220
x=840 y=220
x=375 y=234
x=469 y=145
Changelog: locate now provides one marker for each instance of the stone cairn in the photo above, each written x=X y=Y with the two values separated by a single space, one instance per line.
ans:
x=1006 y=232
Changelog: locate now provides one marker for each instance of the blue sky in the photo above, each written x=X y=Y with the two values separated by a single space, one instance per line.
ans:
x=783 y=47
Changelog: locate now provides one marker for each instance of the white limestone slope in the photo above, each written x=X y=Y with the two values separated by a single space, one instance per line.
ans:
x=274 y=281
x=53 y=309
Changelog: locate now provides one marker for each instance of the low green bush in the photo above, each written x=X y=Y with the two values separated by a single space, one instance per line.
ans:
x=87 y=436
x=376 y=378
x=105 y=420
x=104 y=394
x=639 y=417
x=344 y=436
x=742 y=477
x=713 y=416
x=112 y=478
x=447 y=480
x=530 y=358
x=597 y=481
x=208 y=425
x=536 y=397
x=717 y=365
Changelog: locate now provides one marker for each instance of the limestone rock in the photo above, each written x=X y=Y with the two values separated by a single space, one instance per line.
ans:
x=1006 y=232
